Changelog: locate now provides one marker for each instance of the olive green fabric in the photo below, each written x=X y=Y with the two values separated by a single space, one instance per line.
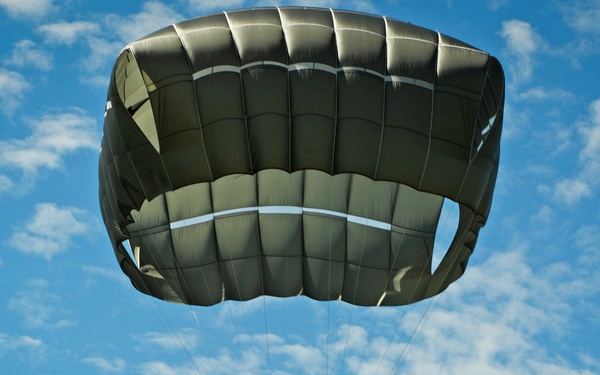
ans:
x=287 y=151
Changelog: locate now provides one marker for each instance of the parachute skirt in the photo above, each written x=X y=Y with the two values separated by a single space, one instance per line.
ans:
x=288 y=151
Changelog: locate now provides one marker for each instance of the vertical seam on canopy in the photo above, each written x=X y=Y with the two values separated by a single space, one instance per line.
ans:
x=383 y=107
x=289 y=92
x=337 y=102
x=435 y=69
x=189 y=62
x=242 y=93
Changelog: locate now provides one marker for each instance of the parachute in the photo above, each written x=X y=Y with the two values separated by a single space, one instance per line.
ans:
x=297 y=151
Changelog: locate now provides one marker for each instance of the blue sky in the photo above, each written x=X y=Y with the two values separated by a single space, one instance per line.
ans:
x=529 y=302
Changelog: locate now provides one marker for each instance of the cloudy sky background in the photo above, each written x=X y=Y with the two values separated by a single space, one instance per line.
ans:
x=529 y=302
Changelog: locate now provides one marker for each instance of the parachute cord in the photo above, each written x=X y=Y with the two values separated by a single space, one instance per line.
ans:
x=182 y=279
x=353 y=298
x=235 y=330
x=378 y=309
x=445 y=273
x=264 y=298
x=328 y=291
x=237 y=285
x=186 y=355
x=310 y=367
x=425 y=315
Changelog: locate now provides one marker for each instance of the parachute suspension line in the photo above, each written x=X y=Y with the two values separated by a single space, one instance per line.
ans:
x=228 y=302
x=185 y=354
x=354 y=298
x=264 y=298
x=378 y=307
x=252 y=163
x=406 y=308
x=456 y=254
x=202 y=331
x=328 y=291
x=241 y=304
x=169 y=329
x=419 y=187
x=181 y=351
x=383 y=118
x=308 y=347
x=423 y=316
x=461 y=239
x=453 y=258
x=182 y=279
x=335 y=121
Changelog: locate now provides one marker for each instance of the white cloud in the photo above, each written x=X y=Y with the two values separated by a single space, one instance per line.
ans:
x=154 y=15
x=544 y=94
x=114 y=365
x=497 y=4
x=15 y=342
x=24 y=53
x=591 y=133
x=29 y=8
x=68 y=32
x=503 y=317
x=51 y=229
x=522 y=42
x=573 y=190
x=36 y=306
x=102 y=51
x=185 y=338
x=13 y=90
x=206 y=5
x=52 y=138
x=359 y=5
x=25 y=348
x=583 y=15
x=6 y=184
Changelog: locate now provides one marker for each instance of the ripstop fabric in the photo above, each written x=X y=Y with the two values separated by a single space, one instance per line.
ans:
x=287 y=151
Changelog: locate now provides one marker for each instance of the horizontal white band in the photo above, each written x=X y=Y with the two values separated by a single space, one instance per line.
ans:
x=286 y=210
x=312 y=66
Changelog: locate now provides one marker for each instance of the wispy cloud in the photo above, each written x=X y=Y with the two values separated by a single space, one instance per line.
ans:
x=68 y=33
x=497 y=4
x=109 y=365
x=52 y=138
x=51 y=229
x=26 y=53
x=153 y=16
x=25 y=348
x=540 y=93
x=29 y=8
x=186 y=338
x=208 y=5
x=14 y=86
x=522 y=43
x=572 y=190
x=36 y=306
x=490 y=322
x=583 y=15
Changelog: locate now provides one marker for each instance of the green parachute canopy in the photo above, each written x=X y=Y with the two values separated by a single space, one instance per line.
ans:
x=289 y=151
